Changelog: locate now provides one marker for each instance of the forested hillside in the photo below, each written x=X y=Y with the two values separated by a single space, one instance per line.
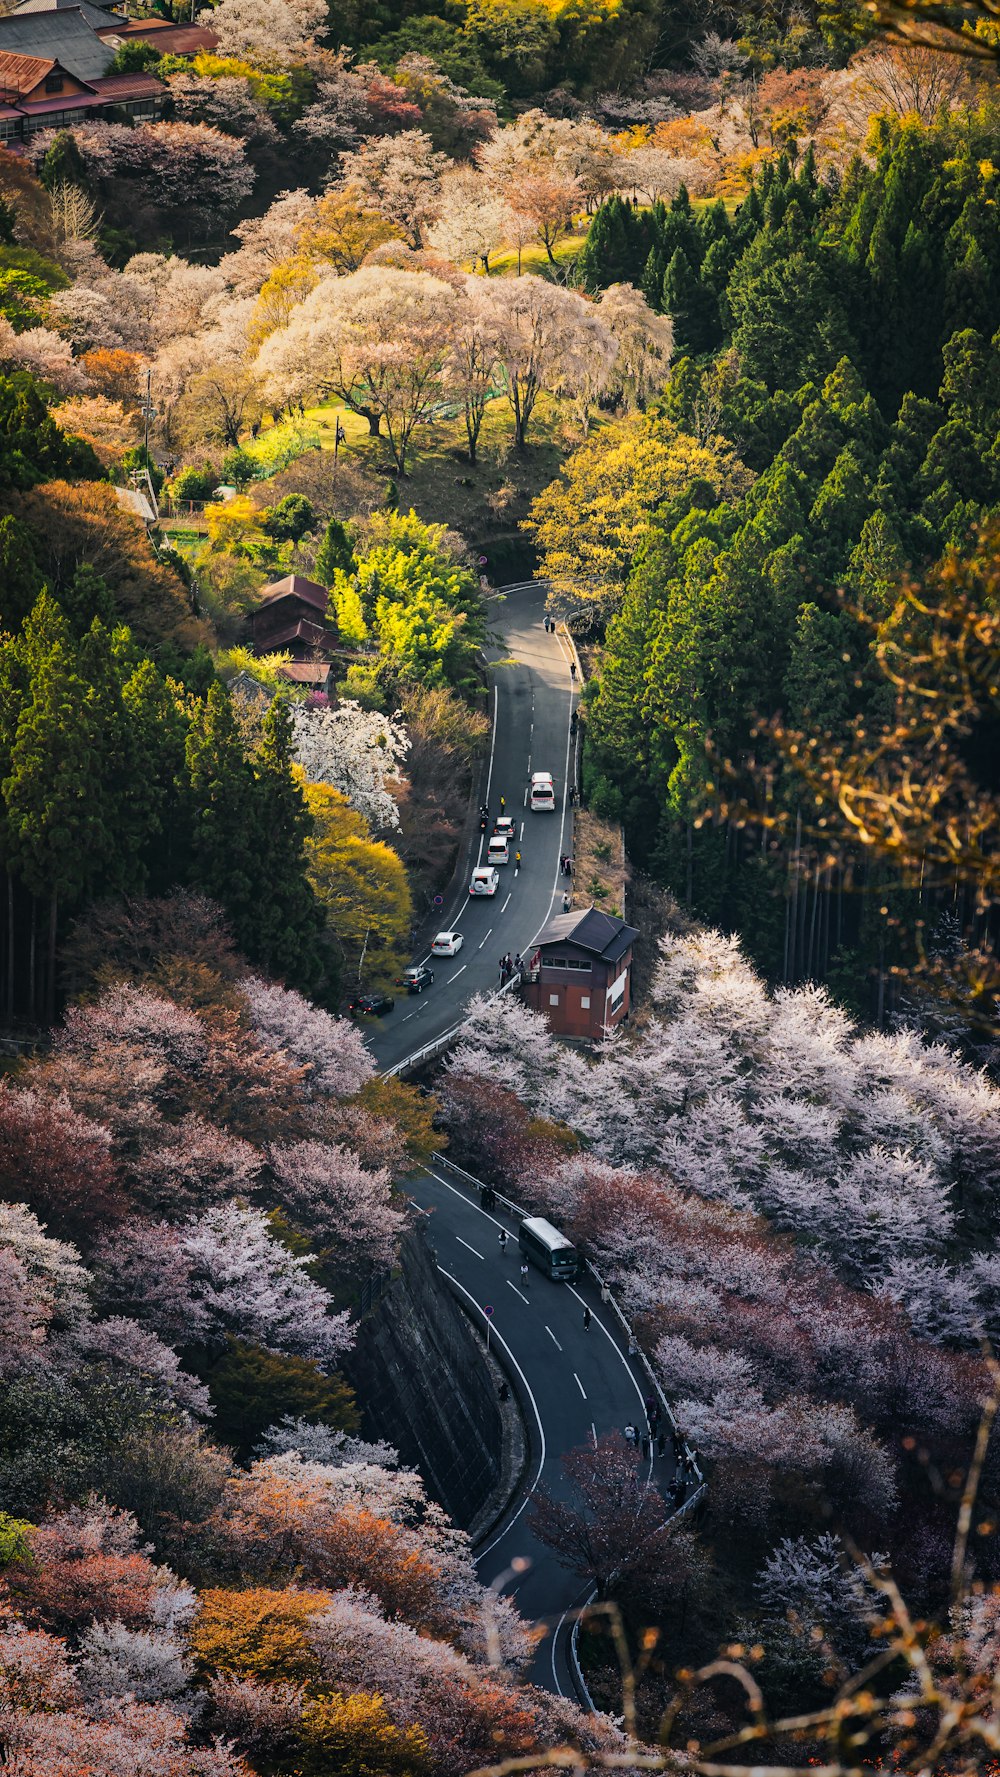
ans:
x=832 y=423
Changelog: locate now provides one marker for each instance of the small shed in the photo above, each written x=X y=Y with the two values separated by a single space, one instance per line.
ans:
x=580 y=974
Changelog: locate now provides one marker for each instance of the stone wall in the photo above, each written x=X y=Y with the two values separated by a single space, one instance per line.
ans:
x=423 y=1383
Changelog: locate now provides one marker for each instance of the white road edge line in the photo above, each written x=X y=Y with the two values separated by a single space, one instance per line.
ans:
x=579 y=1385
x=553 y=1338
x=468 y=1248
x=534 y=1407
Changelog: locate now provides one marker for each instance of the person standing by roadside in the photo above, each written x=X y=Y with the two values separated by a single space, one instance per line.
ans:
x=524 y=1273
x=587 y=1318
x=502 y=1238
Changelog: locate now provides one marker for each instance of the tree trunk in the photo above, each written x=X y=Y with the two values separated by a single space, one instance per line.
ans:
x=50 y=984
x=33 y=1009
x=10 y=947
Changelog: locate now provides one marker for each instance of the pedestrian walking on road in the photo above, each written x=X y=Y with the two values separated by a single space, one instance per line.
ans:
x=524 y=1274
x=503 y=803
x=645 y=1447
x=517 y=862
x=566 y=903
x=661 y=1443
x=587 y=1318
x=572 y=669
x=569 y=866
x=631 y=1436
x=502 y=1238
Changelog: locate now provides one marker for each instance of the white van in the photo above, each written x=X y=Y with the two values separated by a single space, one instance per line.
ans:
x=498 y=851
x=543 y=795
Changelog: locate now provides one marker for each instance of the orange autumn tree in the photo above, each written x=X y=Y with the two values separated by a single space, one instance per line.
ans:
x=257 y=1633
x=282 y=1514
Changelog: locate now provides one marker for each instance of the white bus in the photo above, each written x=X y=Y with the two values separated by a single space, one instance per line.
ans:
x=548 y=1249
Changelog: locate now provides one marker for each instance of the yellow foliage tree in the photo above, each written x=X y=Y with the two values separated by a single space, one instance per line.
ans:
x=287 y=286
x=353 y=1736
x=342 y=231
x=362 y=886
x=257 y=1634
x=235 y=528
x=412 y=1113
x=590 y=522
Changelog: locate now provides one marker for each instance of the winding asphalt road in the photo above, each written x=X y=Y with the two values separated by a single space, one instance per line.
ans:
x=574 y=1385
x=532 y=701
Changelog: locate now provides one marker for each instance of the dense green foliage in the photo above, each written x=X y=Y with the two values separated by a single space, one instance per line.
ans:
x=412 y=592
x=843 y=341
x=122 y=768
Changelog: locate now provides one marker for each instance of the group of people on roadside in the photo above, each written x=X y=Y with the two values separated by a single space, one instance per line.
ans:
x=510 y=966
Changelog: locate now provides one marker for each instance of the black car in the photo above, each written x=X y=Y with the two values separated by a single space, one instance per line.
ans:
x=373 y=1004
x=416 y=979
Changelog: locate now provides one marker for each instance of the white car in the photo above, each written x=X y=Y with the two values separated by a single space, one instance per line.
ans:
x=542 y=797
x=498 y=850
x=447 y=944
x=484 y=882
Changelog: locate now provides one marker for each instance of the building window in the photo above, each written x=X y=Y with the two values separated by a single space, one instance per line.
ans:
x=585 y=1002
x=53 y=83
x=9 y=127
x=553 y=999
x=566 y=962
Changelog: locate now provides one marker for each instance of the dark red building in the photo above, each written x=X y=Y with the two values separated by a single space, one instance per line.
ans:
x=580 y=974
x=292 y=619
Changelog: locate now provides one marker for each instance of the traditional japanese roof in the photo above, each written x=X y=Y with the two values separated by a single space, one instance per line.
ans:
x=99 y=18
x=603 y=934
x=304 y=672
x=295 y=586
x=60 y=35
x=175 y=40
x=22 y=73
x=114 y=89
x=312 y=634
x=105 y=9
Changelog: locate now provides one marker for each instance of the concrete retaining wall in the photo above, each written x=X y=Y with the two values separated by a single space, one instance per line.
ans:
x=423 y=1384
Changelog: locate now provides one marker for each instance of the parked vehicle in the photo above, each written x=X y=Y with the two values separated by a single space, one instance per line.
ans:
x=372 y=1005
x=542 y=796
x=498 y=851
x=552 y=1252
x=485 y=881
x=447 y=944
x=416 y=978
x=506 y=827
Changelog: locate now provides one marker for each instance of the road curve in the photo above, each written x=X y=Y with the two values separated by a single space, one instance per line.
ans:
x=531 y=707
x=575 y=1384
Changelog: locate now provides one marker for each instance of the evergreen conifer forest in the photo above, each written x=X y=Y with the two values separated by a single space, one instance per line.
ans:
x=383 y=393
